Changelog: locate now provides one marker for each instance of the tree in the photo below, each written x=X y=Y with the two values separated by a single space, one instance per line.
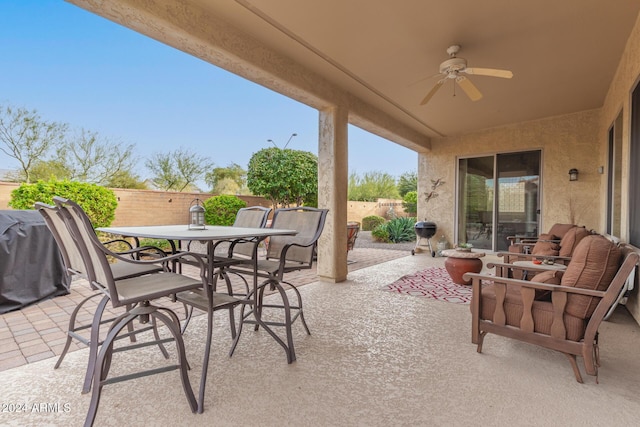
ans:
x=372 y=186
x=46 y=170
x=95 y=159
x=284 y=176
x=410 y=203
x=25 y=137
x=176 y=170
x=126 y=179
x=407 y=182
x=229 y=180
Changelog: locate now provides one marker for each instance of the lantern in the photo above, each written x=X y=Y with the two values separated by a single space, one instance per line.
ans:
x=196 y=215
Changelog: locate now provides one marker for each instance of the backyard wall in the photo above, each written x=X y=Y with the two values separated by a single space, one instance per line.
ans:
x=148 y=207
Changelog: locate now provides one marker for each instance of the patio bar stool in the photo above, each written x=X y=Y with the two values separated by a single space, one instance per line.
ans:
x=137 y=293
x=75 y=265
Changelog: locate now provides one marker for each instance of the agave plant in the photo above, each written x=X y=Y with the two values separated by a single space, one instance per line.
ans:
x=401 y=229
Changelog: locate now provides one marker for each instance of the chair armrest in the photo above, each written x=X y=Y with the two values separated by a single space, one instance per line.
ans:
x=135 y=250
x=502 y=268
x=477 y=279
x=530 y=257
x=198 y=259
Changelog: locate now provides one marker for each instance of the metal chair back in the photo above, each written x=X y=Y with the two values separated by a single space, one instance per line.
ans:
x=300 y=248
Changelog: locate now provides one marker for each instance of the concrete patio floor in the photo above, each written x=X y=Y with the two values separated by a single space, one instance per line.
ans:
x=38 y=331
x=374 y=358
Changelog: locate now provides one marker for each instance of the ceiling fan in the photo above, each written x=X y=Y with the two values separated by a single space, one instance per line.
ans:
x=454 y=68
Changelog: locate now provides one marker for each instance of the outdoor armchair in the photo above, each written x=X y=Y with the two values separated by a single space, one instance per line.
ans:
x=548 y=247
x=557 y=310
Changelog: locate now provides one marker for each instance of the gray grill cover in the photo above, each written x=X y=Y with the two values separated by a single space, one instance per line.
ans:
x=31 y=267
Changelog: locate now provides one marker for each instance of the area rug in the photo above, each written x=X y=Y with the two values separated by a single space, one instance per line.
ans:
x=434 y=283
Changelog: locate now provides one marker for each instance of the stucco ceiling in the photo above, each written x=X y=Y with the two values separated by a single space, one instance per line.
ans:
x=563 y=53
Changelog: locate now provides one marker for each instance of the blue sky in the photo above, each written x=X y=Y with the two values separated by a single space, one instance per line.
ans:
x=75 y=67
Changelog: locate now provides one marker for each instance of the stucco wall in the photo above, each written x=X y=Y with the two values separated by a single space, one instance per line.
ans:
x=618 y=100
x=566 y=142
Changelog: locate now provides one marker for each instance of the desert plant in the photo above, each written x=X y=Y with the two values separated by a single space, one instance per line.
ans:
x=98 y=202
x=222 y=210
x=401 y=229
x=380 y=234
x=372 y=221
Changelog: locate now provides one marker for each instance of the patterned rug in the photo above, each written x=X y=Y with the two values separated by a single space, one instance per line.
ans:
x=433 y=283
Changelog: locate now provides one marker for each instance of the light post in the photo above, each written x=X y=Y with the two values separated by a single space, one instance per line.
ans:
x=285 y=145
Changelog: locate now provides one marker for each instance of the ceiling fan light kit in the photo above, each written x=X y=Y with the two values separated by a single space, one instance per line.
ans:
x=452 y=69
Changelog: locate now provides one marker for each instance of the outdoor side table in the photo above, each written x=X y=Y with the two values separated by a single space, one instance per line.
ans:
x=460 y=262
x=554 y=267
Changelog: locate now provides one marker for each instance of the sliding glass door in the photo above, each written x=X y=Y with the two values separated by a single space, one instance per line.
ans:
x=498 y=197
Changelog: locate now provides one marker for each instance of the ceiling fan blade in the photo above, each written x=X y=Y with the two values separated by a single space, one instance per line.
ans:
x=425 y=78
x=432 y=91
x=469 y=88
x=491 y=72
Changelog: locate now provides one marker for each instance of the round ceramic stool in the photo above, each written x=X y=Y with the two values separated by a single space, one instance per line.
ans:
x=460 y=262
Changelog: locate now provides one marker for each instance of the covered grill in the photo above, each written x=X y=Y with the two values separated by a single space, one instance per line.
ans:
x=425 y=230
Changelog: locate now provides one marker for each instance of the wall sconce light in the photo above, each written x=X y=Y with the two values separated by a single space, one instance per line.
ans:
x=573 y=174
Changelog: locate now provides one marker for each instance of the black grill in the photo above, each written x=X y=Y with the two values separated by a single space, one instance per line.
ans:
x=425 y=230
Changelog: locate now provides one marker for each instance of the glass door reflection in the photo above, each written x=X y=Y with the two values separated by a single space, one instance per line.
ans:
x=498 y=196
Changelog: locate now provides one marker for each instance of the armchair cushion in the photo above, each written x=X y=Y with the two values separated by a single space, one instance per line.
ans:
x=550 y=277
x=594 y=263
x=571 y=239
x=542 y=312
x=546 y=246
x=560 y=229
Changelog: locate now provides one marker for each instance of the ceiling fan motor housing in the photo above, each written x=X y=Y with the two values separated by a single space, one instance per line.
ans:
x=453 y=65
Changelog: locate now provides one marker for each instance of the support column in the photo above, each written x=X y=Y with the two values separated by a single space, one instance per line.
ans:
x=423 y=187
x=333 y=178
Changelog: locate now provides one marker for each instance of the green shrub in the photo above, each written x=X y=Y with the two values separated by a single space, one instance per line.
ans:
x=410 y=202
x=380 y=233
x=401 y=229
x=222 y=210
x=98 y=202
x=371 y=222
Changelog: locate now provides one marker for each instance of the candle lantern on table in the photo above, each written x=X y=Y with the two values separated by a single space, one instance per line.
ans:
x=196 y=215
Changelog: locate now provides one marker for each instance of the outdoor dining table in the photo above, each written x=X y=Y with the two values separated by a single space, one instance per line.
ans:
x=210 y=234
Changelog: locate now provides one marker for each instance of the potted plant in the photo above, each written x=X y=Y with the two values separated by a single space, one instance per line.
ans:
x=464 y=247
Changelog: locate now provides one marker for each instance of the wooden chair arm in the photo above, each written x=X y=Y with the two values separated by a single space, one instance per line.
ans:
x=530 y=257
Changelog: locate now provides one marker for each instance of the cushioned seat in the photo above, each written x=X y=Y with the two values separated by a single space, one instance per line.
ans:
x=542 y=313
x=557 y=310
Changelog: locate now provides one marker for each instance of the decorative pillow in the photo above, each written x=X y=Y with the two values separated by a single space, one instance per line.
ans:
x=594 y=263
x=561 y=229
x=544 y=245
x=571 y=239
